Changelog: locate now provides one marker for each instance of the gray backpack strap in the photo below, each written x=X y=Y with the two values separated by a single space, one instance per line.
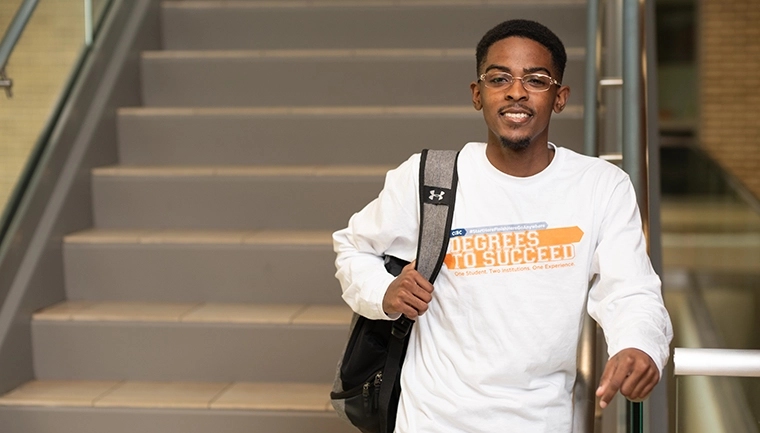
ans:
x=438 y=183
x=438 y=187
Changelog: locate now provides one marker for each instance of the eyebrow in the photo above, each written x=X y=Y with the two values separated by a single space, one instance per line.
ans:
x=532 y=70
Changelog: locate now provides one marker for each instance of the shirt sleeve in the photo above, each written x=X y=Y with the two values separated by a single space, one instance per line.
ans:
x=386 y=226
x=626 y=297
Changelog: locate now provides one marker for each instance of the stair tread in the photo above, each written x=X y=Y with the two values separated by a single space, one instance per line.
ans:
x=188 y=312
x=242 y=170
x=385 y=111
x=311 y=111
x=175 y=395
x=206 y=4
x=248 y=237
x=573 y=53
x=336 y=53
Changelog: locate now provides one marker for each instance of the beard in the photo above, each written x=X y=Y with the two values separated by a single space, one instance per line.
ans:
x=517 y=145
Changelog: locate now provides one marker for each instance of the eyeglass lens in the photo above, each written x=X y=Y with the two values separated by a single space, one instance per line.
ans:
x=531 y=82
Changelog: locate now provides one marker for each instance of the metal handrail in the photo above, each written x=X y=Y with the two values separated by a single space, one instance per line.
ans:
x=593 y=63
x=10 y=39
x=716 y=362
x=584 y=398
x=634 y=146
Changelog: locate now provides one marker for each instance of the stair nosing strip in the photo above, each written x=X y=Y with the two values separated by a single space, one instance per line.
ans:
x=304 y=111
x=153 y=237
x=218 y=395
x=107 y=392
x=226 y=386
x=314 y=4
x=443 y=111
x=573 y=53
x=169 y=171
x=418 y=53
x=253 y=317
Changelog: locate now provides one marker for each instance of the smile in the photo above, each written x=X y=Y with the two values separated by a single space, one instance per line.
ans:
x=516 y=117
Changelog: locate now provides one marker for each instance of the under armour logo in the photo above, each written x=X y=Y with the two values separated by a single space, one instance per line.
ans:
x=435 y=196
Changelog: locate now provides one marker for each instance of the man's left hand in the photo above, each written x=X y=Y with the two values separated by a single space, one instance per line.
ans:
x=630 y=371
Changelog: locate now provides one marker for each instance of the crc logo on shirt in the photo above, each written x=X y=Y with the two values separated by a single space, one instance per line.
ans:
x=438 y=196
x=458 y=232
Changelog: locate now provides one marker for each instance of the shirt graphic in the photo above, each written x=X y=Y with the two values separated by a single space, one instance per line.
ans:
x=511 y=248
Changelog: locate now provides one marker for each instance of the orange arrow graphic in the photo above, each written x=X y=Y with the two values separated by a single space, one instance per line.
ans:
x=559 y=236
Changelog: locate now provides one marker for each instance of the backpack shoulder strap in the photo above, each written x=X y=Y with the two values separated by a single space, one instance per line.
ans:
x=438 y=187
x=438 y=183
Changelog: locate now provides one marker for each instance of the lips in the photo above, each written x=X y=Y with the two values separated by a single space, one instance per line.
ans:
x=516 y=114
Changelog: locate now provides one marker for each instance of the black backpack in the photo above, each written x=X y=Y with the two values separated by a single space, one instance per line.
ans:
x=367 y=383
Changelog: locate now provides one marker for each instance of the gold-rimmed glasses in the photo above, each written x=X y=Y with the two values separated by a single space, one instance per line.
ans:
x=530 y=82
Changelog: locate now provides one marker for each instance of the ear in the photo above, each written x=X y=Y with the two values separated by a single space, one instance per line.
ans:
x=561 y=99
x=475 y=89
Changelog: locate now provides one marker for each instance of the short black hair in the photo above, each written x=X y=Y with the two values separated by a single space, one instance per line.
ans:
x=523 y=29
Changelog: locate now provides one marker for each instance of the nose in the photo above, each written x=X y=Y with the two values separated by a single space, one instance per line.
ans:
x=516 y=91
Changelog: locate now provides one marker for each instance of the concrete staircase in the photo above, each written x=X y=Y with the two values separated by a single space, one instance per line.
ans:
x=203 y=299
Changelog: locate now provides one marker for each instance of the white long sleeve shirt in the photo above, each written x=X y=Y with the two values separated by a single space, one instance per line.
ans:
x=496 y=350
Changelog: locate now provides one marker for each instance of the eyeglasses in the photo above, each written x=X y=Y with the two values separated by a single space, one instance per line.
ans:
x=530 y=82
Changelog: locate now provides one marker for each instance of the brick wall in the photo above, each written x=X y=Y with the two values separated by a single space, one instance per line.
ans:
x=729 y=61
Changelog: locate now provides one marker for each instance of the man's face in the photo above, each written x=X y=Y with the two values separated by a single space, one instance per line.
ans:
x=516 y=118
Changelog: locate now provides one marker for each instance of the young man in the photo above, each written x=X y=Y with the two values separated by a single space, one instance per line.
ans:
x=494 y=346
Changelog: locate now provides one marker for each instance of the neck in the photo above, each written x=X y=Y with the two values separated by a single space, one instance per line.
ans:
x=520 y=163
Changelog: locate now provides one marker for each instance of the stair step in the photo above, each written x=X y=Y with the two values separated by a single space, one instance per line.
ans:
x=272 y=314
x=319 y=78
x=325 y=135
x=356 y=24
x=248 y=266
x=172 y=341
x=309 y=397
x=233 y=198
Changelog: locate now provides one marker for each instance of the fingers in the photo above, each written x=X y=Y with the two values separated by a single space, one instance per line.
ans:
x=632 y=372
x=409 y=294
x=639 y=387
x=610 y=383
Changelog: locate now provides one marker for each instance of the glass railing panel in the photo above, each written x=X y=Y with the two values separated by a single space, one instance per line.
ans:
x=711 y=255
x=708 y=404
x=8 y=9
x=98 y=10
x=41 y=66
